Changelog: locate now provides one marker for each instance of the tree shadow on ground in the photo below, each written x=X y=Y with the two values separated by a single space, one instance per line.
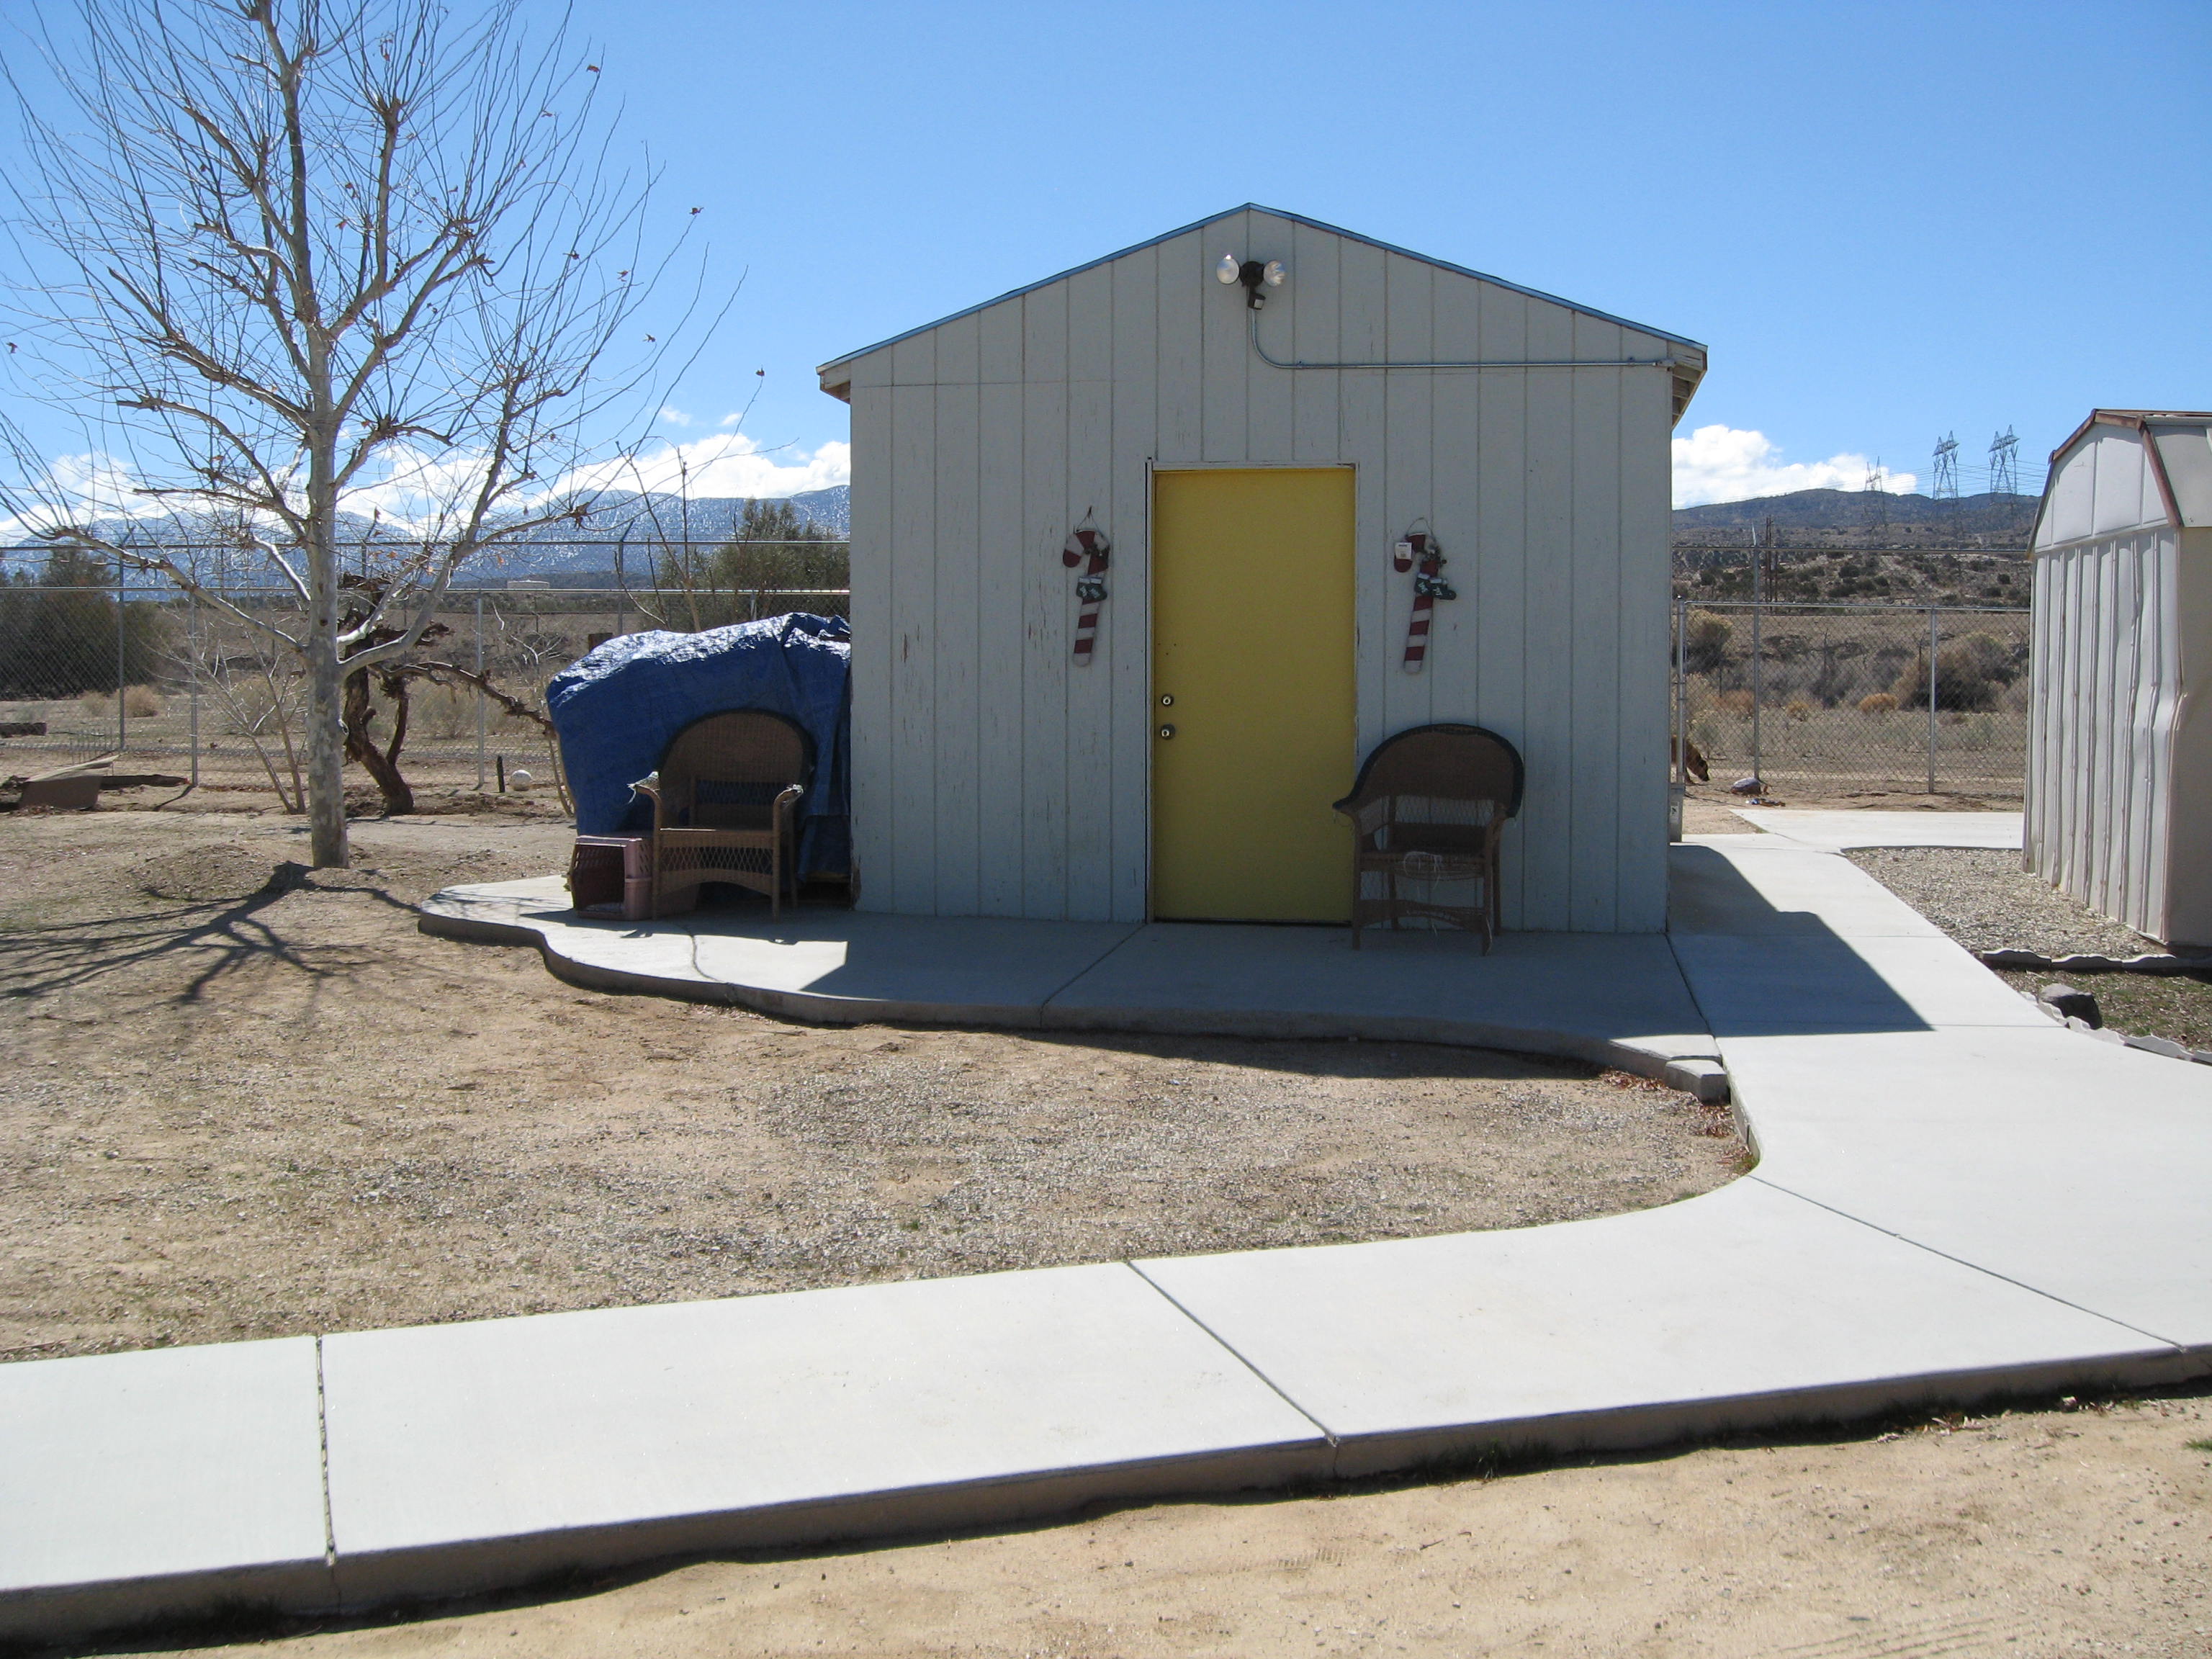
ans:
x=218 y=939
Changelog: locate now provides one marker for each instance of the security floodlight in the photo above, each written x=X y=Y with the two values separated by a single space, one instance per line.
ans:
x=1275 y=274
x=1226 y=271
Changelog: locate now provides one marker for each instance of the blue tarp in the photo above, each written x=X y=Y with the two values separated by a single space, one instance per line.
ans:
x=617 y=708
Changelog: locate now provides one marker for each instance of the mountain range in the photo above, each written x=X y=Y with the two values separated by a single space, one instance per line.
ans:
x=639 y=525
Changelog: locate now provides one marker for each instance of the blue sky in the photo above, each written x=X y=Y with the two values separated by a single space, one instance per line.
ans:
x=1887 y=221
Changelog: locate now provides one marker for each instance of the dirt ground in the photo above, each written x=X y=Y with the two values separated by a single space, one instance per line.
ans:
x=233 y=1110
x=240 y=1109
x=2026 y=1534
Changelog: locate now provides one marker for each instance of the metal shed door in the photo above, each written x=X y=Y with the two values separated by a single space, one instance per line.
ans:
x=1252 y=695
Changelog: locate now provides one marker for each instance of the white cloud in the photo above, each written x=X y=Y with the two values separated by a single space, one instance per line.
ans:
x=728 y=463
x=1727 y=464
x=673 y=416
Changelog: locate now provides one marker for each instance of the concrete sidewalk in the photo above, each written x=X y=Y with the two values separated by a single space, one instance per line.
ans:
x=1955 y=1198
x=1838 y=831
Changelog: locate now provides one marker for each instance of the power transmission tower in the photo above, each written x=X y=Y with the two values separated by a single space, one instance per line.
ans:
x=2004 y=464
x=1947 y=469
x=1876 y=491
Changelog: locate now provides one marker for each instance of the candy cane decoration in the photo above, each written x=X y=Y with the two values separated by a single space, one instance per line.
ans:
x=1090 y=587
x=1420 y=549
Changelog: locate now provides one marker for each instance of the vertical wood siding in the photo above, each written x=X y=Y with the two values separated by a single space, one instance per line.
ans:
x=992 y=776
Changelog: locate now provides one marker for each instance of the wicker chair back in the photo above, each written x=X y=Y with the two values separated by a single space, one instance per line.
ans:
x=1428 y=810
x=725 y=771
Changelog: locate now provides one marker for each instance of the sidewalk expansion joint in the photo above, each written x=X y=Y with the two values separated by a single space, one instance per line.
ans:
x=1045 y=1004
x=322 y=1443
x=1231 y=1348
x=1991 y=1273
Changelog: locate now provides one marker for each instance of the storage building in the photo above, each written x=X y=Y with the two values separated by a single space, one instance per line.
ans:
x=2119 y=758
x=1247 y=435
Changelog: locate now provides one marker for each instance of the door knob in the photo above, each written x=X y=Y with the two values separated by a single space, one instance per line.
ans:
x=1166 y=731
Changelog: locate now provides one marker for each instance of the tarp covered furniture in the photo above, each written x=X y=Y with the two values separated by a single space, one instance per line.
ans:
x=1429 y=809
x=618 y=708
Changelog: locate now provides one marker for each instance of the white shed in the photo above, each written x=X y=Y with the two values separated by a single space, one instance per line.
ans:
x=1247 y=417
x=2119 y=757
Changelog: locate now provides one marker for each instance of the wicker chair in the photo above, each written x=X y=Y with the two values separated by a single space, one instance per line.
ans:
x=1428 y=811
x=725 y=803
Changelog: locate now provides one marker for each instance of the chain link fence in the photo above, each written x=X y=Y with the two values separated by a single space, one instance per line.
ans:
x=173 y=686
x=1832 y=698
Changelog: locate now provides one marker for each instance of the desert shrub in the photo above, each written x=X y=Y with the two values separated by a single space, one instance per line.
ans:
x=141 y=702
x=1733 y=702
x=1799 y=709
x=1881 y=702
x=1972 y=673
x=1704 y=642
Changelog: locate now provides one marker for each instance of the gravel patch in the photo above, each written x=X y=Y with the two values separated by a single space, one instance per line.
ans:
x=1985 y=901
x=247 y=1100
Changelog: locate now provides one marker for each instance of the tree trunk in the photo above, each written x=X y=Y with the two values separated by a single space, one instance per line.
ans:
x=361 y=745
x=326 y=819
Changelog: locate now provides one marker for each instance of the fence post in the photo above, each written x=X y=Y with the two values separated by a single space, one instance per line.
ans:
x=122 y=656
x=192 y=656
x=1934 y=639
x=1679 y=788
x=1758 y=661
x=480 y=696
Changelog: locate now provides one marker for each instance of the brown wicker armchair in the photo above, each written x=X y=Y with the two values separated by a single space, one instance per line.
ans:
x=724 y=806
x=1428 y=811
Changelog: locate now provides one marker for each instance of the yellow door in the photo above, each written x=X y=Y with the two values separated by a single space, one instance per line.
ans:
x=1252 y=695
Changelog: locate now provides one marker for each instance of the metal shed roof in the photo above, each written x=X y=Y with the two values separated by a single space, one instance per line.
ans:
x=827 y=377
x=2177 y=448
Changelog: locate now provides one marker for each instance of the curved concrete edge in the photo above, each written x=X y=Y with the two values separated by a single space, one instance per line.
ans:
x=68 y=1612
x=1702 y=1075
x=1643 y=1428
x=368 y=1582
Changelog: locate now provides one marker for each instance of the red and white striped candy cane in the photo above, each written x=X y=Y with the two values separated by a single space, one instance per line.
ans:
x=1090 y=587
x=1429 y=586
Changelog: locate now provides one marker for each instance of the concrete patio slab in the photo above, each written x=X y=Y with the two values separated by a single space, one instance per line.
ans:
x=2078 y=1168
x=820 y=965
x=1611 y=999
x=1747 y=1304
x=1837 y=830
x=143 y=1485
x=462 y=1456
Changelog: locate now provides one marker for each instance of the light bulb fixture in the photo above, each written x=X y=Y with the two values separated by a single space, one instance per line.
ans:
x=1254 y=277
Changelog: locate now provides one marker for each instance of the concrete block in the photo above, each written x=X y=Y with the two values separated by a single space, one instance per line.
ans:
x=465 y=1455
x=159 y=1485
x=1707 y=1079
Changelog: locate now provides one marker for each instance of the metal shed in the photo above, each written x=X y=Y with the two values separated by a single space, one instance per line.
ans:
x=1229 y=431
x=2119 y=758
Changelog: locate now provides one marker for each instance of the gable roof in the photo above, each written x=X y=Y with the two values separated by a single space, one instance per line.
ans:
x=1274 y=213
x=2177 y=445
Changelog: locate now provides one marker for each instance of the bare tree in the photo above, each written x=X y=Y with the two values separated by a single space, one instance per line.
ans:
x=311 y=262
